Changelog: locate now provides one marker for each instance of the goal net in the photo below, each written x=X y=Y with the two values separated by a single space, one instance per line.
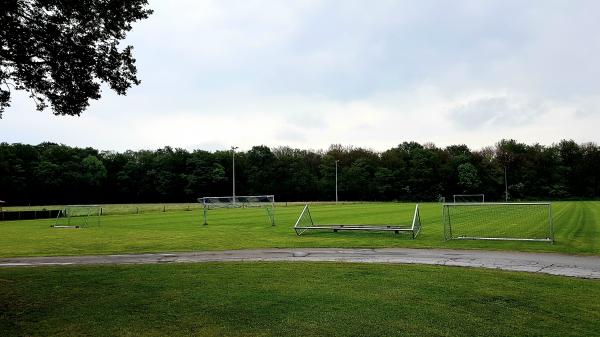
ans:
x=243 y=201
x=469 y=197
x=78 y=216
x=498 y=221
x=305 y=223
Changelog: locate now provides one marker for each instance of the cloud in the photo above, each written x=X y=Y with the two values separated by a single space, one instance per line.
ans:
x=291 y=134
x=312 y=73
x=499 y=111
x=587 y=107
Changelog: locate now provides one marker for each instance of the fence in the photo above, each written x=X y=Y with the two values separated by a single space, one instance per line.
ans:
x=28 y=215
x=36 y=212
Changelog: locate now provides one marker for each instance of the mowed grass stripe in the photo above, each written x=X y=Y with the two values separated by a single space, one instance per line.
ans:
x=578 y=223
x=577 y=226
x=293 y=299
x=591 y=225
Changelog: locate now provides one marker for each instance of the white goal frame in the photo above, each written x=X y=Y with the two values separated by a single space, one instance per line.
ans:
x=469 y=195
x=66 y=216
x=447 y=220
x=305 y=223
x=239 y=201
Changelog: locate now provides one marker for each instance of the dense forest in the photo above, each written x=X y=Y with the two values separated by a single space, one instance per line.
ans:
x=57 y=174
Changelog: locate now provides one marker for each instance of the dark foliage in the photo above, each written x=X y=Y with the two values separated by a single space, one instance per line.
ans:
x=55 y=174
x=61 y=50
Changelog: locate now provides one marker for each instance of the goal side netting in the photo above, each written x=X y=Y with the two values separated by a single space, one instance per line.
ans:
x=78 y=216
x=498 y=221
x=242 y=201
x=306 y=223
x=468 y=197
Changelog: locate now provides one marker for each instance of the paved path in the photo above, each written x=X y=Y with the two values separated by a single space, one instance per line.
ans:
x=555 y=264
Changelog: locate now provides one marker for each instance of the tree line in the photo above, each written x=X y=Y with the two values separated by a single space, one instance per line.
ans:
x=51 y=173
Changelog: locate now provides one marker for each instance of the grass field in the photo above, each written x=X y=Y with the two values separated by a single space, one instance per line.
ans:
x=287 y=299
x=577 y=231
x=293 y=299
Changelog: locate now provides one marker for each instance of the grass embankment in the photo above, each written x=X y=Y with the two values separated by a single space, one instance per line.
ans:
x=293 y=299
x=577 y=231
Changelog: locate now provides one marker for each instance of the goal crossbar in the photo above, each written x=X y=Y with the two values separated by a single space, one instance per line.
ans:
x=499 y=221
x=240 y=201
x=305 y=223
x=78 y=216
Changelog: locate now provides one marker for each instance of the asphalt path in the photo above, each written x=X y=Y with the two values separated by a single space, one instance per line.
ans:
x=547 y=263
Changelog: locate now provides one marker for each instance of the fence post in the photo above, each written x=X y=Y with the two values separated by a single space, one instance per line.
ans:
x=164 y=208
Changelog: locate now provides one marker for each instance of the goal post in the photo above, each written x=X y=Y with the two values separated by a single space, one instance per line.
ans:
x=239 y=201
x=468 y=198
x=527 y=221
x=305 y=223
x=78 y=216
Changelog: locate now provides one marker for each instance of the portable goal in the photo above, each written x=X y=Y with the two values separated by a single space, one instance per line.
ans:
x=468 y=198
x=305 y=223
x=78 y=216
x=530 y=221
x=244 y=201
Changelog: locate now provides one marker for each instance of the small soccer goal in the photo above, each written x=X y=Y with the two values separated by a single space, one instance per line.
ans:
x=305 y=223
x=468 y=198
x=78 y=216
x=244 y=201
x=531 y=221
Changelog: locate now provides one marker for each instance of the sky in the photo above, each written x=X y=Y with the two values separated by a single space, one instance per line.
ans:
x=372 y=74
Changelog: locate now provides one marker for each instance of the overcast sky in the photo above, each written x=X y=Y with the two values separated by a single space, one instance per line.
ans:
x=366 y=73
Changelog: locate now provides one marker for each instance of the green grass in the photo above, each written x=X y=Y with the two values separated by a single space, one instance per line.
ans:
x=577 y=231
x=293 y=299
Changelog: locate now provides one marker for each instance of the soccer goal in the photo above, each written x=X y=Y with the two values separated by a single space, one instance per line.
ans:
x=530 y=221
x=469 y=197
x=305 y=223
x=266 y=201
x=78 y=216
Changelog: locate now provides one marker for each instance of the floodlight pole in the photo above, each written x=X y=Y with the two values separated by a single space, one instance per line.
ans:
x=336 y=182
x=233 y=148
x=505 y=185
